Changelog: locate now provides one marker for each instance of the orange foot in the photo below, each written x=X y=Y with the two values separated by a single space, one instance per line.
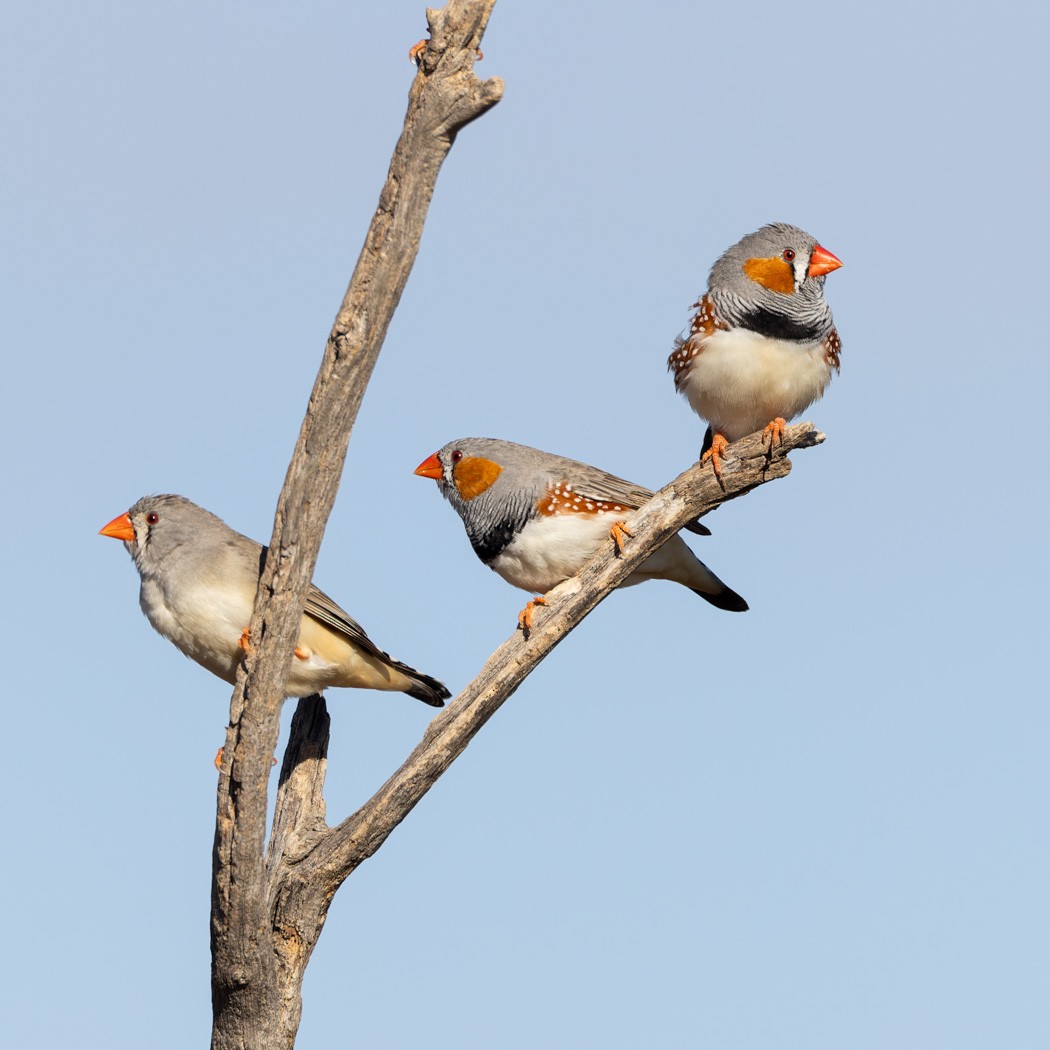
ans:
x=525 y=616
x=415 y=52
x=246 y=642
x=303 y=652
x=618 y=531
x=218 y=758
x=718 y=445
x=774 y=432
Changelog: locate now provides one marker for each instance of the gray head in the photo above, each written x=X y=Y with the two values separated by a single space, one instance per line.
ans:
x=493 y=485
x=498 y=486
x=158 y=528
x=772 y=282
x=468 y=467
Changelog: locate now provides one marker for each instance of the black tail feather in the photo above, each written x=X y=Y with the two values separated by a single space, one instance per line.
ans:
x=726 y=599
x=428 y=689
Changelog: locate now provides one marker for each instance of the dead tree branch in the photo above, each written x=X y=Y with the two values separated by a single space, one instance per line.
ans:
x=338 y=852
x=268 y=908
x=307 y=861
x=255 y=988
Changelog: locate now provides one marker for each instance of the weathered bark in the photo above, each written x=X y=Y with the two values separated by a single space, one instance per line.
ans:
x=307 y=861
x=255 y=978
x=336 y=853
x=268 y=908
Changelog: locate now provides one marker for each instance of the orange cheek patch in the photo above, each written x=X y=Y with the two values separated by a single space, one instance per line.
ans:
x=473 y=475
x=774 y=274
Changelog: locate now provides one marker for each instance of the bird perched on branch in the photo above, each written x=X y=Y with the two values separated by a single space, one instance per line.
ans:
x=762 y=345
x=198 y=587
x=536 y=519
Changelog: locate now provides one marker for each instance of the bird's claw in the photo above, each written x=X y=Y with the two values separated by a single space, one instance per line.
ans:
x=714 y=454
x=415 y=52
x=525 y=616
x=221 y=751
x=774 y=432
x=618 y=530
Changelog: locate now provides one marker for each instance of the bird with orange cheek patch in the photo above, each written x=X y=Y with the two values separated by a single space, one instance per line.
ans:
x=762 y=346
x=536 y=519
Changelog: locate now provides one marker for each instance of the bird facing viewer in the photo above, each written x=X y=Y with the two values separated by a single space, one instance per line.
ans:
x=762 y=346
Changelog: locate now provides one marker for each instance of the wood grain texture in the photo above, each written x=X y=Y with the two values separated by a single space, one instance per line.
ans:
x=255 y=987
x=694 y=493
x=308 y=861
x=269 y=905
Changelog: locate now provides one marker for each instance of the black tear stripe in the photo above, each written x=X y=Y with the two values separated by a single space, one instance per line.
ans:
x=777 y=326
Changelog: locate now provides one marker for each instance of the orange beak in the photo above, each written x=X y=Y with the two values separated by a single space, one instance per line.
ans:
x=429 y=468
x=822 y=262
x=119 y=528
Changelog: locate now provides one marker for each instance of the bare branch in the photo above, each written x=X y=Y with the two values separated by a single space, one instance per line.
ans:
x=444 y=97
x=747 y=464
x=299 y=818
x=267 y=914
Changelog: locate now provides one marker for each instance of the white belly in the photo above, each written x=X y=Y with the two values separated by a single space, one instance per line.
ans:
x=740 y=380
x=551 y=549
x=206 y=622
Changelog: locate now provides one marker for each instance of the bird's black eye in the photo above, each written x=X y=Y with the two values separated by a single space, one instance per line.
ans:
x=152 y=518
x=789 y=255
x=457 y=456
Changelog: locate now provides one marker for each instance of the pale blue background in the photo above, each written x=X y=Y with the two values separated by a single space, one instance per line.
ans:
x=819 y=825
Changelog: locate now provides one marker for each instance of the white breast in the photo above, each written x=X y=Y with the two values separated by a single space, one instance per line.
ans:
x=204 y=621
x=741 y=380
x=551 y=549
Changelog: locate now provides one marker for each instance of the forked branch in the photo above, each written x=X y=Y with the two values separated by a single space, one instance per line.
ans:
x=255 y=977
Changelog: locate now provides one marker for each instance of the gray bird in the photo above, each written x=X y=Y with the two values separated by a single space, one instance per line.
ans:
x=536 y=519
x=198 y=587
x=762 y=346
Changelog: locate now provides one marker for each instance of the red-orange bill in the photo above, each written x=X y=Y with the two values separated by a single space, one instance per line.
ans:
x=429 y=468
x=119 y=528
x=822 y=262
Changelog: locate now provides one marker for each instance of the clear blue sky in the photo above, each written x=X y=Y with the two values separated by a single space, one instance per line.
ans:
x=819 y=825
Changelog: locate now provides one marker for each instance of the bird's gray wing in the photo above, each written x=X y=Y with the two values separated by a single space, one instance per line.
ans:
x=321 y=608
x=324 y=610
